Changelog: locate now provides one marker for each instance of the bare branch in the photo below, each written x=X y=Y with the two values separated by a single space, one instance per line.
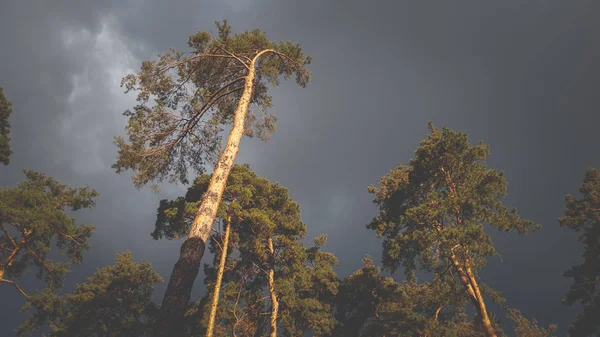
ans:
x=8 y=235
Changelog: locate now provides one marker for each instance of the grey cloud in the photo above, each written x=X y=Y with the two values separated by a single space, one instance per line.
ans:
x=521 y=76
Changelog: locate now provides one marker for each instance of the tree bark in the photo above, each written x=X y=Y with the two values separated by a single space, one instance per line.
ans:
x=485 y=319
x=469 y=282
x=274 y=301
x=177 y=295
x=217 y=289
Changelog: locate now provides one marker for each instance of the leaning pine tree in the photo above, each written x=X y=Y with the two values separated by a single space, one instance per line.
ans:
x=433 y=211
x=194 y=95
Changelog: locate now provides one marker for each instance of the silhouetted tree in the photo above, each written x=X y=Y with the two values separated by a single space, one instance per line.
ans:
x=5 y=111
x=116 y=301
x=583 y=216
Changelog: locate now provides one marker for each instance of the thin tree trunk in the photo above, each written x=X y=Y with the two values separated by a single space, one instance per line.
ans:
x=469 y=282
x=274 y=301
x=217 y=289
x=185 y=271
x=485 y=319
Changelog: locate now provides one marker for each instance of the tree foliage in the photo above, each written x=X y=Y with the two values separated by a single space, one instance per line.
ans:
x=432 y=214
x=32 y=215
x=185 y=100
x=259 y=210
x=116 y=301
x=5 y=111
x=528 y=328
x=583 y=216
x=447 y=184
x=371 y=305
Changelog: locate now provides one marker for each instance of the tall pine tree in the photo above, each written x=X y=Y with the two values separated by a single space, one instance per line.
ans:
x=196 y=94
x=433 y=212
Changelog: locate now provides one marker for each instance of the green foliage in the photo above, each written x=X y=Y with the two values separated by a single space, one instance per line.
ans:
x=583 y=216
x=115 y=301
x=528 y=328
x=32 y=215
x=371 y=305
x=195 y=95
x=259 y=210
x=5 y=111
x=439 y=203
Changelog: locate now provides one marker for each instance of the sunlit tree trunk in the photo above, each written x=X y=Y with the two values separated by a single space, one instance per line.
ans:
x=217 y=289
x=185 y=271
x=274 y=301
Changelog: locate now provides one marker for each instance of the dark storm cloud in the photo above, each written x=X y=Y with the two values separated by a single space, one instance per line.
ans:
x=521 y=76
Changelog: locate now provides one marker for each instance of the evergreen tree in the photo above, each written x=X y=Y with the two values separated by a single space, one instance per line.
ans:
x=116 y=301
x=269 y=275
x=195 y=95
x=583 y=216
x=433 y=212
x=371 y=305
x=5 y=111
x=32 y=215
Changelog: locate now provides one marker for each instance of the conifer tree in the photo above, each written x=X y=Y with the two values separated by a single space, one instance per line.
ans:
x=269 y=276
x=432 y=214
x=5 y=111
x=195 y=95
x=583 y=216
x=371 y=305
x=116 y=301
x=32 y=216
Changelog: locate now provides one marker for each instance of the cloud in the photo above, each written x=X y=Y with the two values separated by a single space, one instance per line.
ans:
x=96 y=102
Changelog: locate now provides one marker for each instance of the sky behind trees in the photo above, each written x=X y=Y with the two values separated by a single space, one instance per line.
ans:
x=521 y=76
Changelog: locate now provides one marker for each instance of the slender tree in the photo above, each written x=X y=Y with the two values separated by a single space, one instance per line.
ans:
x=195 y=95
x=5 y=111
x=32 y=215
x=116 y=301
x=433 y=212
x=583 y=216
x=215 y=294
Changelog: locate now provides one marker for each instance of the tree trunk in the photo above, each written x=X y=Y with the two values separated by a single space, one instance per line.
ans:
x=217 y=289
x=274 y=301
x=469 y=282
x=485 y=319
x=177 y=295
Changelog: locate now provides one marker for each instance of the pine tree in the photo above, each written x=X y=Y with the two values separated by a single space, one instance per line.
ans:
x=583 y=216
x=5 y=111
x=269 y=274
x=32 y=216
x=195 y=96
x=371 y=305
x=116 y=301
x=433 y=212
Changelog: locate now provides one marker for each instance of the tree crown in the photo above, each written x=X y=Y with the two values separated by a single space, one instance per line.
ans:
x=439 y=203
x=195 y=95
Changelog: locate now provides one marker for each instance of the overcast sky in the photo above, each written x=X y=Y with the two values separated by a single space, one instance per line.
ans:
x=522 y=76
